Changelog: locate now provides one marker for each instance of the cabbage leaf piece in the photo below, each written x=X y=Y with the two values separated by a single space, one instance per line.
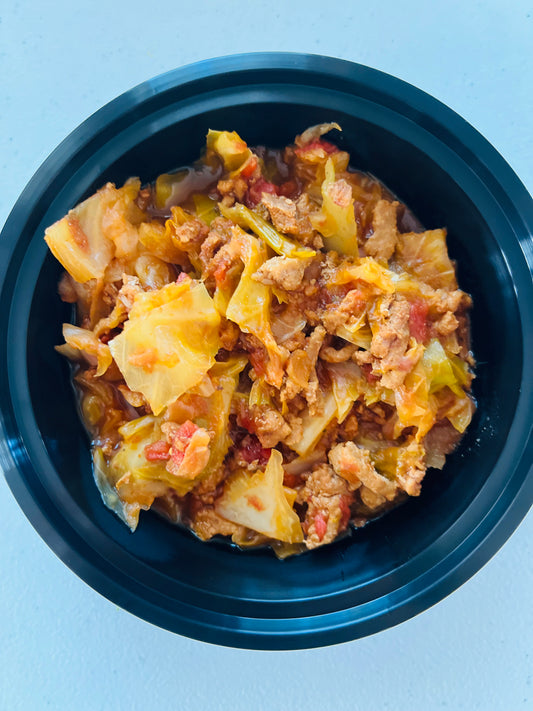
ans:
x=425 y=255
x=313 y=426
x=96 y=230
x=249 y=306
x=282 y=245
x=225 y=377
x=368 y=270
x=260 y=502
x=434 y=379
x=336 y=220
x=169 y=342
x=129 y=482
x=230 y=147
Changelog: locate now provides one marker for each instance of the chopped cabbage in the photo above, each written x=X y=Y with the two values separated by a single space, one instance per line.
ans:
x=371 y=272
x=230 y=147
x=87 y=343
x=205 y=208
x=78 y=240
x=313 y=133
x=313 y=426
x=336 y=220
x=158 y=240
x=169 y=342
x=127 y=512
x=425 y=255
x=259 y=501
x=281 y=244
x=249 y=306
x=356 y=330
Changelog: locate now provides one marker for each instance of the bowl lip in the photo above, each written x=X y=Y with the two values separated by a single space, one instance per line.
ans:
x=302 y=632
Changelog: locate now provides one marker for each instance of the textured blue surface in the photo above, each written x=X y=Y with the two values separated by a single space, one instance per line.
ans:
x=65 y=647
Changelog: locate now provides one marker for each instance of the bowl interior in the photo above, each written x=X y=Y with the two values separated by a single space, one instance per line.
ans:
x=376 y=558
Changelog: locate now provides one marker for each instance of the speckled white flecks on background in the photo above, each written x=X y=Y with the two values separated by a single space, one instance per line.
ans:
x=63 y=646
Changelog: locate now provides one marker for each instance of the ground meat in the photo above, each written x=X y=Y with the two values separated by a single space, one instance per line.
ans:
x=382 y=243
x=287 y=216
x=131 y=286
x=446 y=324
x=339 y=314
x=269 y=426
x=411 y=468
x=328 y=498
x=442 y=301
x=390 y=342
x=206 y=523
x=284 y=272
x=232 y=189
x=219 y=234
x=353 y=463
x=192 y=232
x=301 y=374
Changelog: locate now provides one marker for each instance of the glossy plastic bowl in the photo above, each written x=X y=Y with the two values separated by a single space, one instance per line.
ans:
x=393 y=568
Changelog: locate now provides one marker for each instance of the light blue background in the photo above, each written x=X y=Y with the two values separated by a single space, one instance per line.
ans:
x=63 y=646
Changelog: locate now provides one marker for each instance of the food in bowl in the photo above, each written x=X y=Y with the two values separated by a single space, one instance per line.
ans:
x=268 y=344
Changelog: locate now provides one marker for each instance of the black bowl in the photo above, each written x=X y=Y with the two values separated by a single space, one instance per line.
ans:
x=393 y=568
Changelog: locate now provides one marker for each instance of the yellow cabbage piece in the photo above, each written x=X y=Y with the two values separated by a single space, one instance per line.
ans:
x=370 y=271
x=417 y=399
x=426 y=256
x=230 y=147
x=313 y=426
x=357 y=331
x=258 y=501
x=349 y=384
x=282 y=245
x=249 y=306
x=158 y=240
x=439 y=368
x=98 y=229
x=78 y=240
x=86 y=342
x=225 y=377
x=206 y=207
x=169 y=342
x=336 y=220
x=128 y=513
x=130 y=457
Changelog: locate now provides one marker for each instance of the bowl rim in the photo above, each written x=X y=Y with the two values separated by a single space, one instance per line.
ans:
x=467 y=557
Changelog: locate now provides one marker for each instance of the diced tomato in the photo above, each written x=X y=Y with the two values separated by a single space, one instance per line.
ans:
x=156 y=451
x=251 y=450
x=321 y=526
x=253 y=196
x=249 y=167
x=221 y=272
x=186 y=431
x=256 y=502
x=369 y=375
x=288 y=189
x=418 y=320
x=316 y=145
x=258 y=361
